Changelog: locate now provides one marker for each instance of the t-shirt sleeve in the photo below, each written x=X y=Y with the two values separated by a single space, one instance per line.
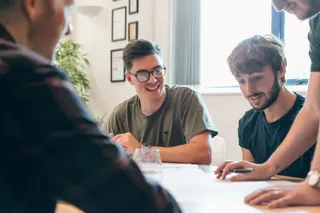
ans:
x=195 y=116
x=241 y=137
x=113 y=124
x=314 y=42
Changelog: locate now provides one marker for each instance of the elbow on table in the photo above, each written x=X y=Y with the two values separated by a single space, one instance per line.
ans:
x=204 y=157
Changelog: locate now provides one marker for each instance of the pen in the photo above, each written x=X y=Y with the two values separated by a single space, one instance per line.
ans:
x=247 y=170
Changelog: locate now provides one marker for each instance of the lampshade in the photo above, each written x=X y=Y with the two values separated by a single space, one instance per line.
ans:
x=89 y=7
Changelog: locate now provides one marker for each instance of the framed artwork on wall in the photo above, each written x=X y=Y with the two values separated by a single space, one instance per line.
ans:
x=133 y=6
x=119 y=24
x=133 y=29
x=117 y=66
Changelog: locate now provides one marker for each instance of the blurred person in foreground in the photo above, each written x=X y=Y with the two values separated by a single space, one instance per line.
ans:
x=52 y=148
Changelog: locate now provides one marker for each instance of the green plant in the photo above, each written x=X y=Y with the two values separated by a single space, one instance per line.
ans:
x=70 y=57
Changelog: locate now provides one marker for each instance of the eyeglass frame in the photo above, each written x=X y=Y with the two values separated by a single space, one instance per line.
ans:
x=149 y=73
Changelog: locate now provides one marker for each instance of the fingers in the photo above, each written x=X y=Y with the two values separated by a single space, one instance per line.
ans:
x=231 y=166
x=111 y=135
x=265 y=196
x=117 y=137
x=252 y=196
x=218 y=171
x=242 y=177
x=282 y=202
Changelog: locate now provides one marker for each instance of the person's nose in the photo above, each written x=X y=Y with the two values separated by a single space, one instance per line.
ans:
x=249 y=88
x=152 y=79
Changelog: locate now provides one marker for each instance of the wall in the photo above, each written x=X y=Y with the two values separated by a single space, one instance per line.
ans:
x=94 y=32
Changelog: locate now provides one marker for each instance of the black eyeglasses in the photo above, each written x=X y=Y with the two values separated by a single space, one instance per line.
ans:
x=144 y=75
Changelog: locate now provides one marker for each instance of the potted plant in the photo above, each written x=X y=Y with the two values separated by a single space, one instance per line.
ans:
x=69 y=56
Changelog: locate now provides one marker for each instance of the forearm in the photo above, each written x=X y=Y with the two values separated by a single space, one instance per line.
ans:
x=187 y=153
x=302 y=135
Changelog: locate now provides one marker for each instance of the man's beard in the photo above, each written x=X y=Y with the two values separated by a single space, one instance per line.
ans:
x=271 y=97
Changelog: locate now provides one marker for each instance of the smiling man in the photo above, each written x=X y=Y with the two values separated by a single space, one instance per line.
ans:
x=171 y=119
x=259 y=65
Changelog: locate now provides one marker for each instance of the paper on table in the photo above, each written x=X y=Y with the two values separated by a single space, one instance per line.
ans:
x=215 y=191
x=178 y=165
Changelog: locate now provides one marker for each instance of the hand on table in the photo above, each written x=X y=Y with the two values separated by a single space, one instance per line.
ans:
x=127 y=141
x=285 y=195
x=260 y=171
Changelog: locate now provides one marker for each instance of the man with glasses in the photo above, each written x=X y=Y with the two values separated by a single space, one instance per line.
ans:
x=171 y=119
x=303 y=133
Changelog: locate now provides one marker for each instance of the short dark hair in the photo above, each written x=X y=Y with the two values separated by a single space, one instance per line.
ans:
x=137 y=49
x=254 y=53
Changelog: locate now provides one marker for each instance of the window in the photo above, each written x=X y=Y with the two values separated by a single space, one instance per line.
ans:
x=222 y=29
x=296 y=47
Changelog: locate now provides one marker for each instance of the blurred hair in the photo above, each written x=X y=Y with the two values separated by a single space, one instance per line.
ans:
x=253 y=54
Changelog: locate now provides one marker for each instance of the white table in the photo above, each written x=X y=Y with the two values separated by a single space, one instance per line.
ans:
x=198 y=191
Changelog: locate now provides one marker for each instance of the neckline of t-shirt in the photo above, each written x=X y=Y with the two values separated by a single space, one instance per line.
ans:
x=158 y=112
x=298 y=99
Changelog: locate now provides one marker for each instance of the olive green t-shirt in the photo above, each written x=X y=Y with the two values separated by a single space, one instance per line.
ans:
x=314 y=41
x=182 y=116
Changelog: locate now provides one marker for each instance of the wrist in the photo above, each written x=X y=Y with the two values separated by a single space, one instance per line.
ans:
x=271 y=169
x=315 y=165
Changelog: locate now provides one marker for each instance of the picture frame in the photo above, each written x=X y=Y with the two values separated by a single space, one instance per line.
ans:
x=133 y=29
x=133 y=6
x=119 y=24
x=117 y=69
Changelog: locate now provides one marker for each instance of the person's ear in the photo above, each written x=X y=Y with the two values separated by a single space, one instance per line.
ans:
x=31 y=8
x=129 y=78
x=283 y=69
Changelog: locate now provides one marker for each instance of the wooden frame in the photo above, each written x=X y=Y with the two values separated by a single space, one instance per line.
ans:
x=117 y=69
x=133 y=30
x=133 y=6
x=119 y=24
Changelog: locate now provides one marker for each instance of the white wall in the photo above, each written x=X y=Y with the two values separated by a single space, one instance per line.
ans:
x=94 y=32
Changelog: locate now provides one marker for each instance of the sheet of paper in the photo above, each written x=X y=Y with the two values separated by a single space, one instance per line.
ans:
x=179 y=165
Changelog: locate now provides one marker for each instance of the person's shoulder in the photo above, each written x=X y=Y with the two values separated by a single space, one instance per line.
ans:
x=181 y=91
x=300 y=97
x=122 y=108
x=314 y=24
x=300 y=101
x=16 y=55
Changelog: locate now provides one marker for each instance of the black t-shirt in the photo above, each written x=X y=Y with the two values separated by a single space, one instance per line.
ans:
x=263 y=138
